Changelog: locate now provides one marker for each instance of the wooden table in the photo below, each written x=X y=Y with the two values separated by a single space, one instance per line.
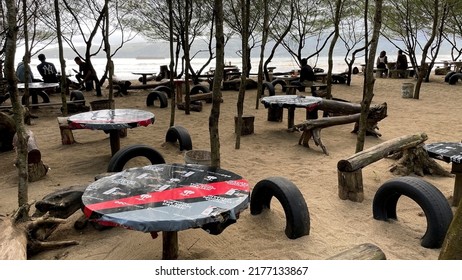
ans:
x=37 y=89
x=450 y=152
x=144 y=76
x=276 y=103
x=111 y=120
x=168 y=198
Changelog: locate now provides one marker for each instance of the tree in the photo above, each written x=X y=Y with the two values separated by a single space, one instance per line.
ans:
x=218 y=77
x=337 y=13
x=369 y=77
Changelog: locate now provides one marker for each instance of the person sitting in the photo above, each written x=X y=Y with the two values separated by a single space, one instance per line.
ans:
x=47 y=70
x=307 y=76
x=381 y=64
x=401 y=64
x=21 y=72
x=86 y=76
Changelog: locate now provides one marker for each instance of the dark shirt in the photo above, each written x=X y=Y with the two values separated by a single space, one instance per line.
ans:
x=401 y=62
x=48 y=72
x=307 y=74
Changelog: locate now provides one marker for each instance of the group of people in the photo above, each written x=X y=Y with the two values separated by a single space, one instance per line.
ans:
x=401 y=62
x=86 y=75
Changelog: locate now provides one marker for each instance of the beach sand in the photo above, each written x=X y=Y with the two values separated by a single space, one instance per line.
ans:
x=336 y=225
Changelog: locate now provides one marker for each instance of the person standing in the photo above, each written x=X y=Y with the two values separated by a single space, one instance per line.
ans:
x=86 y=76
x=47 y=70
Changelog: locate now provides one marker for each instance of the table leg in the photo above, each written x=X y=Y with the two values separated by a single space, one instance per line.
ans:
x=114 y=138
x=143 y=79
x=290 y=117
x=457 y=170
x=169 y=245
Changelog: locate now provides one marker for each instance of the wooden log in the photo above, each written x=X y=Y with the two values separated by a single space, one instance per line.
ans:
x=7 y=132
x=201 y=96
x=36 y=171
x=350 y=185
x=33 y=153
x=197 y=106
x=377 y=152
x=247 y=124
x=13 y=241
x=67 y=137
x=364 y=251
x=275 y=114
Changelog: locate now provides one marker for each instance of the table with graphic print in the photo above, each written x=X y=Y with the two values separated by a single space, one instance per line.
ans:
x=277 y=102
x=450 y=152
x=168 y=198
x=112 y=120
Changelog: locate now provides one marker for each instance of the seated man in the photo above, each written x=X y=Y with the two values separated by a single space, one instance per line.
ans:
x=47 y=70
x=21 y=72
x=307 y=76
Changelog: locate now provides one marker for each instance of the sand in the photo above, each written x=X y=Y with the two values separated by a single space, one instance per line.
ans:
x=336 y=225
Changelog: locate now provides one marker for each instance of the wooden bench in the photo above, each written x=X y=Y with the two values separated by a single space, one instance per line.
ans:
x=350 y=179
x=380 y=72
x=67 y=137
x=397 y=73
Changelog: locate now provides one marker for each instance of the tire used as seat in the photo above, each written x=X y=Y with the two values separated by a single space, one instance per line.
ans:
x=291 y=199
x=119 y=159
x=435 y=206
x=181 y=134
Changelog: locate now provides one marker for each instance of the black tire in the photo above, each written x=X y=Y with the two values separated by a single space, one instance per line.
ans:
x=199 y=88
x=119 y=159
x=181 y=134
x=455 y=78
x=157 y=95
x=42 y=94
x=279 y=82
x=448 y=76
x=435 y=206
x=291 y=199
x=269 y=86
x=165 y=89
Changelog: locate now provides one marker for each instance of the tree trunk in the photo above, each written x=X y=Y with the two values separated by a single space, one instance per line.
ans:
x=218 y=77
x=452 y=244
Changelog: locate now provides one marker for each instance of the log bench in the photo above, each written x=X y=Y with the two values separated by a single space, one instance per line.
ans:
x=350 y=180
x=311 y=128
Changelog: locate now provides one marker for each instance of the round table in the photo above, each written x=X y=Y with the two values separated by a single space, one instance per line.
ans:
x=112 y=120
x=37 y=88
x=277 y=102
x=168 y=198
x=450 y=152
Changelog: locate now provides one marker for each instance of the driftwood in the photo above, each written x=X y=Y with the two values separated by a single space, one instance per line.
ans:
x=312 y=128
x=196 y=106
x=364 y=251
x=18 y=239
x=7 y=132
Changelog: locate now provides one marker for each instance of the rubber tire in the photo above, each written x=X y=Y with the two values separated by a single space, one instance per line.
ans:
x=455 y=78
x=448 y=76
x=119 y=159
x=291 y=199
x=198 y=88
x=269 y=86
x=42 y=94
x=160 y=95
x=181 y=134
x=435 y=206
x=279 y=82
x=165 y=89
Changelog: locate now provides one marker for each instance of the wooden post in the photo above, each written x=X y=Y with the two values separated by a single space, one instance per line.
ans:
x=350 y=185
x=247 y=124
x=169 y=245
x=275 y=114
x=67 y=137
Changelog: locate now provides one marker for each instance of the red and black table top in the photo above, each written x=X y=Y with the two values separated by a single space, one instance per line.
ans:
x=450 y=152
x=167 y=197
x=108 y=119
